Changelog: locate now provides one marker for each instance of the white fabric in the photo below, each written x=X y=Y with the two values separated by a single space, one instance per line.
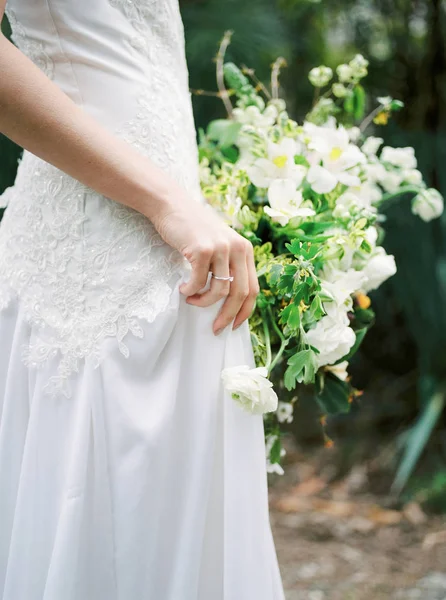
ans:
x=126 y=471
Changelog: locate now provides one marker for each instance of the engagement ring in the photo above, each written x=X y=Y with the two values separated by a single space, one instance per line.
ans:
x=230 y=278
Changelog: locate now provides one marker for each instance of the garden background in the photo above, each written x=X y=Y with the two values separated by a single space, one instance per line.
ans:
x=393 y=440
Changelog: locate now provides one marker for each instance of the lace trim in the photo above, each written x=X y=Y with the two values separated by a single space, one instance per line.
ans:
x=33 y=49
x=81 y=280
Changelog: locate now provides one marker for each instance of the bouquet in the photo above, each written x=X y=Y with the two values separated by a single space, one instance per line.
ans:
x=308 y=196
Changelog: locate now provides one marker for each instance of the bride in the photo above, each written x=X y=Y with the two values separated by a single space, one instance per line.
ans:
x=127 y=472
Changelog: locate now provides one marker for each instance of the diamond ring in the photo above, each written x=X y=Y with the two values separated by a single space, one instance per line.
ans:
x=230 y=278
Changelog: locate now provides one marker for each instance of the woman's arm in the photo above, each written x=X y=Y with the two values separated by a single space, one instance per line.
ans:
x=37 y=115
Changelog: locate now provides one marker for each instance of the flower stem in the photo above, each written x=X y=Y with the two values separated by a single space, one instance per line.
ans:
x=267 y=340
x=278 y=356
x=390 y=198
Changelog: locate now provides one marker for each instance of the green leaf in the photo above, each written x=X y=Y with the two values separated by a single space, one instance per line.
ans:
x=301 y=160
x=302 y=368
x=291 y=316
x=333 y=394
x=349 y=104
x=274 y=273
x=275 y=452
x=316 y=309
x=417 y=439
x=359 y=97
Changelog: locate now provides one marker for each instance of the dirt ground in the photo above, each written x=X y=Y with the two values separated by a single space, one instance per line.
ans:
x=338 y=541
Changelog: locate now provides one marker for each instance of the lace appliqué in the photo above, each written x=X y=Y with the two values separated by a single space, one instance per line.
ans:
x=79 y=282
x=86 y=267
x=33 y=49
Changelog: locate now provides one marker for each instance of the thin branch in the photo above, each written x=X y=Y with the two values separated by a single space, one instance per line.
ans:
x=259 y=85
x=277 y=65
x=220 y=59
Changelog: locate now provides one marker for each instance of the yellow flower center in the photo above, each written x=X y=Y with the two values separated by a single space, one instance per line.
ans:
x=336 y=153
x=280 y=161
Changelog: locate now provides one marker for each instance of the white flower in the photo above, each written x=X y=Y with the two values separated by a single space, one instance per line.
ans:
x=331 y=146
x=354 y=133
x=339 y=90
x=391 y=181
x=345 y=73
x=278 y=165
x=371 y=235
x=428 y=204
x=355 y=200
x=250 y=388
x=285 y=412
x=413 y=177
x=371 y=146
x=230 y=210
x=374 y=170
x=332 y=335
x=254 y=117
x=320 y=76
x=340 y=370
x=399 y=157
x=340 y=285
x=378 y=268
x=273 y=467
x=359 y=65
x=285 y=202
x=385 y=100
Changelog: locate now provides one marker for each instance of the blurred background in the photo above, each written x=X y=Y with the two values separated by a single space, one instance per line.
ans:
x=365 y=518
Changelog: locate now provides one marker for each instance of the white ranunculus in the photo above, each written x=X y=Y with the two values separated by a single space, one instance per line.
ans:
x=286 y=202
x=332 y=335
x=250 y=388
x=285 y=412
x=279 y=164
x=428 y=204
x=371 y=146
x=340 y=370
x=378 y=268
x=399 y=157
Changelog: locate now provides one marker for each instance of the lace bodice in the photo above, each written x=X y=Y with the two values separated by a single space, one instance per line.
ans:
x=82 y=266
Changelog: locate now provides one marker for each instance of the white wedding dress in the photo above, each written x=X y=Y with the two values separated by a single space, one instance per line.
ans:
x=126 y=471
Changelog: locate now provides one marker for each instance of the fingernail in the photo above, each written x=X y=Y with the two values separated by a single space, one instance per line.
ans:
x=236 y=327
x=218 y=331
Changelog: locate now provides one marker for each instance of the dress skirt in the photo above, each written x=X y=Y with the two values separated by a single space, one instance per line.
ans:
x=148 y=483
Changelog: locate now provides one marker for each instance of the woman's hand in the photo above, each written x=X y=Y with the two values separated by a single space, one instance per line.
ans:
x=209 y=244
x=63 y=134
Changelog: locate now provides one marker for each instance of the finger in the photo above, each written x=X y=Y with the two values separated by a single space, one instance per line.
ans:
x=200 y=264
x=254 y=288
x=218 y=288
x=238 y=292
